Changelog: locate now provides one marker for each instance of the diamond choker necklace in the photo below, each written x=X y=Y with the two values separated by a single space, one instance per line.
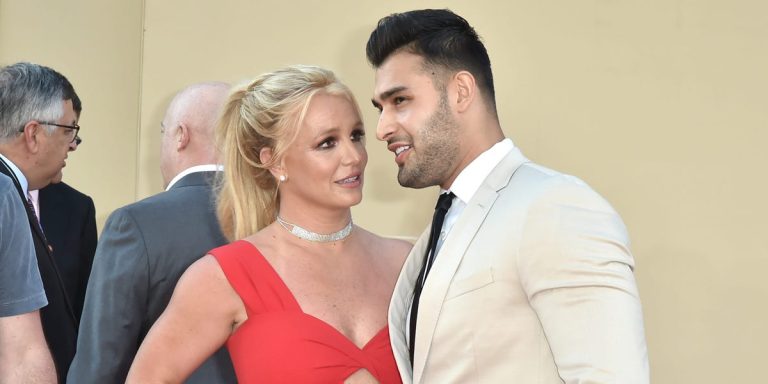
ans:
x=313 y=236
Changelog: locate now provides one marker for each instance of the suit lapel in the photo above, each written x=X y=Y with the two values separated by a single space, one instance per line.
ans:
x=452 y=252
x=31 y=217
x=401 y=303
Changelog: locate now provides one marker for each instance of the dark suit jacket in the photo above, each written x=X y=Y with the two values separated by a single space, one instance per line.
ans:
x=143 y=250
x=58 y=318
x=68 y=218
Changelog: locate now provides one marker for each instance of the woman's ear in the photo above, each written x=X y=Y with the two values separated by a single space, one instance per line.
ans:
x=265 y=156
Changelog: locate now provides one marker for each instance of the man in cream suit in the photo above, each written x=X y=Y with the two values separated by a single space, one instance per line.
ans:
x=531 y=280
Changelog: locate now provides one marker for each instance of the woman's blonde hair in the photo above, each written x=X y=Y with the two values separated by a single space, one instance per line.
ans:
x=265 y=113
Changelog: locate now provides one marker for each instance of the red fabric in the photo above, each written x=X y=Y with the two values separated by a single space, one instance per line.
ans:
x=281 y=344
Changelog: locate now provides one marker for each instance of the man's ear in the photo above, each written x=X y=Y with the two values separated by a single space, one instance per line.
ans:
x=465 y=90
x=31 y=135
x=182 y=136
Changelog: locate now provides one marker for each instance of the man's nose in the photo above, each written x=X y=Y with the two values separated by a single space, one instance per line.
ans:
x=385 y=126
x=73 y=145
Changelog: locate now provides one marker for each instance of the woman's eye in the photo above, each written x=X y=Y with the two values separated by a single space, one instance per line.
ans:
x=327 y=143
x=358 y=135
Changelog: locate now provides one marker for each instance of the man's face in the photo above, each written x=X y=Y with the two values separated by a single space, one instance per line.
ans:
x=53 y=150
x=416 y=121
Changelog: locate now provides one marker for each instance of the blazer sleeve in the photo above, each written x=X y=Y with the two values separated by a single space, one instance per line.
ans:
x=88 y=241
x=577 y=271
x=116 y=299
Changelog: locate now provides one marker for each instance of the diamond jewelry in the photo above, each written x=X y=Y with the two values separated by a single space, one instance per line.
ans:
x=313 y=236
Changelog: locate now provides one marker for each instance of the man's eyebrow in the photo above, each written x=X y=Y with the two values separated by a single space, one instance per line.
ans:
x=388 y=93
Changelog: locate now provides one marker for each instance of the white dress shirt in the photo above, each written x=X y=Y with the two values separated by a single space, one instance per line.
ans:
x=469 y=180
x=19 y=176
x=196 y=168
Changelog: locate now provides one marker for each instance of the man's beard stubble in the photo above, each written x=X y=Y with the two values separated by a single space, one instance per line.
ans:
x=437 y=150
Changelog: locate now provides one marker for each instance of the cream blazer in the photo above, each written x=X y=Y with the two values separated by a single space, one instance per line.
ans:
x=534 y=284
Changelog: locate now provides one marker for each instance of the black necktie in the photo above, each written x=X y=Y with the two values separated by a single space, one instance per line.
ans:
x=443 y=204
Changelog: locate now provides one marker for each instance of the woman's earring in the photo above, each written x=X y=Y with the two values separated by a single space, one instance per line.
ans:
x=283 y=178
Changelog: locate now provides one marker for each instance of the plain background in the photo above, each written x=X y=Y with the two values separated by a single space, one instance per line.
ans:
x=661 y=105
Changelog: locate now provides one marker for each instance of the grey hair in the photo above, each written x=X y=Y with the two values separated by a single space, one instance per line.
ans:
x=32 y=92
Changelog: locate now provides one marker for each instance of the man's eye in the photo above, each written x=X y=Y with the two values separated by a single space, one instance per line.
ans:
x=397 y=100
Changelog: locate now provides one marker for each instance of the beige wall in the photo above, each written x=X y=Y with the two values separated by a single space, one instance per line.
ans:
x=661 y=105
x=97 y=45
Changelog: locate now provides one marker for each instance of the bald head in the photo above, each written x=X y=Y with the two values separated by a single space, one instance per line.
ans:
x=189 y=128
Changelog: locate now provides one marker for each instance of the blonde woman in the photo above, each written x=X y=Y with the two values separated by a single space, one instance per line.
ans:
x=302 y=297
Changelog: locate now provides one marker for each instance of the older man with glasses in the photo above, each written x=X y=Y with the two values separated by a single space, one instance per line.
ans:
x=39 y=110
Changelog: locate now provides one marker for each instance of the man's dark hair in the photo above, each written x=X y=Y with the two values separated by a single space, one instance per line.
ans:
x=441 y=37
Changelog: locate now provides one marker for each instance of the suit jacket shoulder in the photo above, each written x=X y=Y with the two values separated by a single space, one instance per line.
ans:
x=143 y=250
x=68 y=218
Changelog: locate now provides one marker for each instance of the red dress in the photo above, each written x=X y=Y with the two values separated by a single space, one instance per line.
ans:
x=279 y=343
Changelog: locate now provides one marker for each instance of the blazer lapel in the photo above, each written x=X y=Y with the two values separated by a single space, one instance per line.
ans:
x=452 y=252
x=401 y=303
x=31 y=217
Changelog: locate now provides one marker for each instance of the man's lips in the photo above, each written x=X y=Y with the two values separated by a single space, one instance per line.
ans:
x=401 y=151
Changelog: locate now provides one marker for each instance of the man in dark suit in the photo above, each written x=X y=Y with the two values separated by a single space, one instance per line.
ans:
x=146 y=246
x=68 y=218
x=39 y=110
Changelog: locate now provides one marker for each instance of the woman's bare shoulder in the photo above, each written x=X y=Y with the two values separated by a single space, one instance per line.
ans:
x=394 y=247
x=205 y=281
x=205 y=277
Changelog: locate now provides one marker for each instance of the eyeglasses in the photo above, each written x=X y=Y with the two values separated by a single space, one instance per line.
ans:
x=74 y=129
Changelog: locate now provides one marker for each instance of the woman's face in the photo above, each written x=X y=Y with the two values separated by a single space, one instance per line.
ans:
x=325 y=163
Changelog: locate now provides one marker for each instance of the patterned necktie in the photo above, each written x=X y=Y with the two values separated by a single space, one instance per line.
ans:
x=31 y=207
x=32 y=199
x=443 y=204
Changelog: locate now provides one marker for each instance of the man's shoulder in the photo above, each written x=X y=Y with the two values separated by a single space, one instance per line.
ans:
x=530 y=172
x=171 y=202
x=536 y=183
x=5 y=182
x=64 y=191
x=9 y=196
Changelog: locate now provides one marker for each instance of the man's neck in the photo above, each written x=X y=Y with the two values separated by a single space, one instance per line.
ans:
x=18 y=175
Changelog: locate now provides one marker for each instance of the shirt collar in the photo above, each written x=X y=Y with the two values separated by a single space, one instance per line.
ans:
x=196 y=168
x=19 y=176
x=472 y=176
